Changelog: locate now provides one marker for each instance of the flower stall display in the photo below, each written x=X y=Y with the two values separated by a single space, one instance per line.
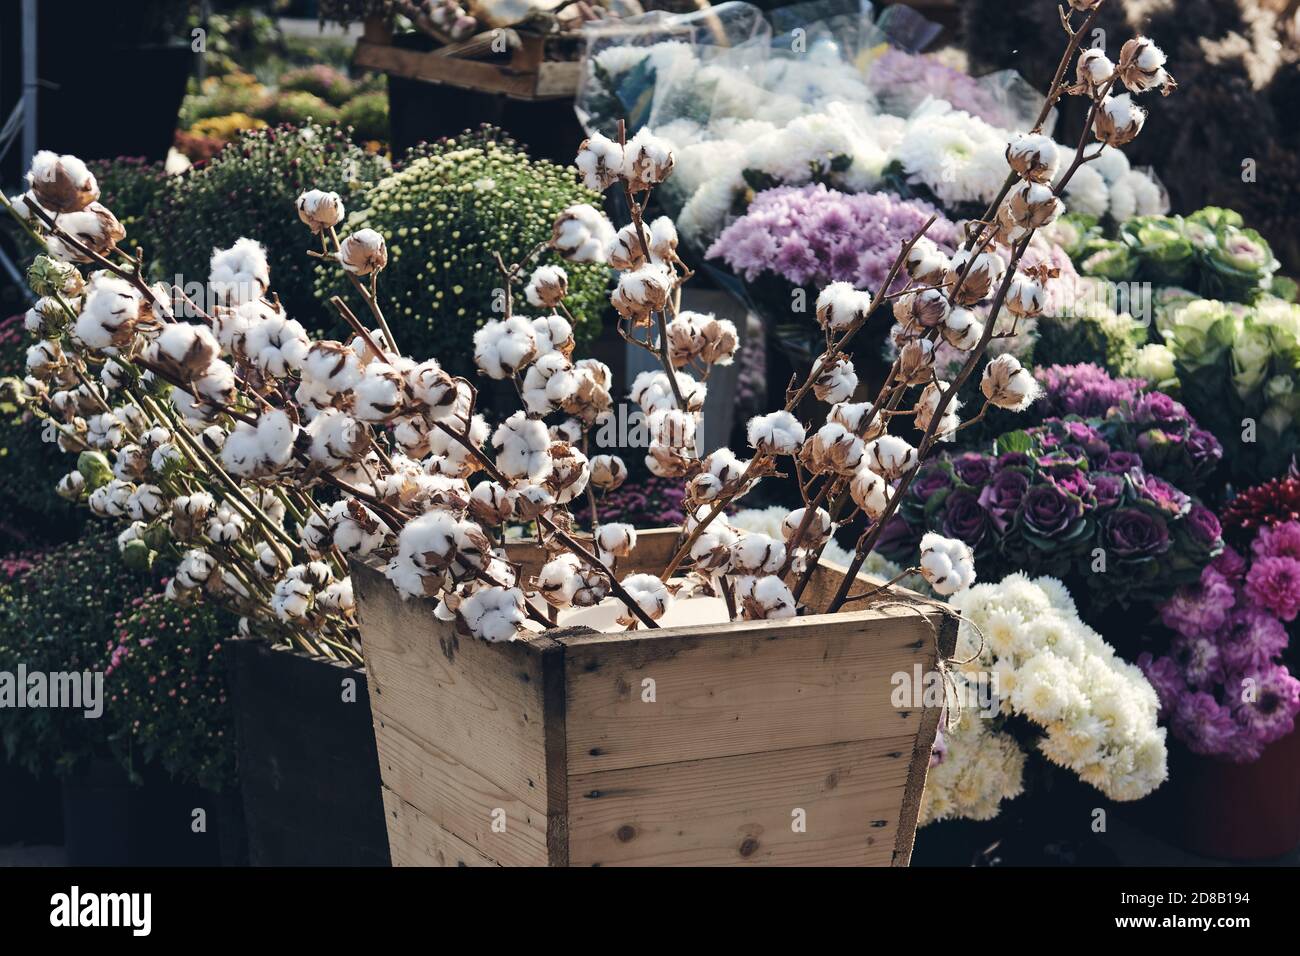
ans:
x=1058 y=691
x=1274 y=502
x=272 y=467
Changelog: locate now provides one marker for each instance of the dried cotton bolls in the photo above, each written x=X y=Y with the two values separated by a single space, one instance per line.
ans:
x=962 y=330
x=947 y=564
x=981 y=273
x=1034 y=157
x=95 y=227
x=839 y=305
x=615 y=539
x=254 y=451
x=494 y=614
x=777 y=433
x=889 y=456
x=1032 y=205
x=558 y=580
x=926 y=263
x=547 y=287
x=833 y=449
x=226 y=526
x=529 y=501
x=600 y=161
x=663 y=240
x=183 y=351
x=71 y=486
x=647 y=160
x=146 y=503
x=608 y=472
x=870 y=492
x=928 y=404
x=338 y=597
x=582 y=234
x=927 y=308
x=108 y=318
x=1007 y=384
x=61 y=184
x=380 y=396
x=320 y=210
x=292 y=599
x=642 y=291
x=722 y=473
x=650 y=595
x=653 y=392
x=569 y=474
x=363 y=253
x=1093 y=70
x=818 y=530
x=239 y=274
x=503 y=347
x=916 y=358
x=627 y=251
x=853 y=416
x=712 y=550
x=111 y=500
x=549 y=382
x=1119 y=120
x=1142 y=67
x=757 y=553
x=194 y=569
x=276 y=344
x=836 y=382
x=336 y=438
x=1026 y=296
x=765 y=599
x=523 y=448
x=490 y=503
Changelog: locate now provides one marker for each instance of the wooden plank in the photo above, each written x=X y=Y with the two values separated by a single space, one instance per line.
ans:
x=739 y=810
x=415 y=840
x=741 y=688
x=454 y=71
x=455 y=797
x=654 y=549
x=480 y=704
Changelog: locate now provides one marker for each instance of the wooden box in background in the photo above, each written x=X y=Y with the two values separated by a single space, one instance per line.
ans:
x=543 y=751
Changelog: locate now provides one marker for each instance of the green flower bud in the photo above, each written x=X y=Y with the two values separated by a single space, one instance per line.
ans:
x=158 y=535
x=48 y=276
x=137 y=555
x=94 y=467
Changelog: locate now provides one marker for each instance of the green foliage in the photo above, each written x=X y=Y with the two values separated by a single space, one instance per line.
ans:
x=249 y=189
x=331 y=85
x=297 y=108
x=367 y=114
x=59 y=618
x=450 y=208
x=29 y=468
x=168 y=699
x=133 y=189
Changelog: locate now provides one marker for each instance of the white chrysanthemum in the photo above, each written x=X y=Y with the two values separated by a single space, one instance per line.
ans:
x=957 y=156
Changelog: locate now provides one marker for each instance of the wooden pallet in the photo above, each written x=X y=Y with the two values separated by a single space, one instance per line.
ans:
x=543 y=751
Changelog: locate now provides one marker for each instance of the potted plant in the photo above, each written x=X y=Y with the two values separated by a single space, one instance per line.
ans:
x=273 y=464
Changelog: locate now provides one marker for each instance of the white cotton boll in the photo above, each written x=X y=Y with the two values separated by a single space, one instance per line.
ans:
x=494 y=614
x=553 y=333
x=549 y=382
x=673 y=428
x=320 y=210
x=332 y=366
x=653 y=392
x=336 y=438
x=146 y=503
x=111 y=500
x=649 y=593
x=616 y=538
x=523 y=448
x=104 y=430
x=194 y=569
x=1119 y=120
x=928 y=404
x=164 y=456
x=647 y=160
x=777 y=433
x=600 y=162
x=926 y=263
x=261 y=449
x=276 y=344
x=108 y=317
x=818 y=530
x=226 y=526
x=962 y=329
x=765 y=599
x=712 y=550
x=61 y=184
x=663 y=239
x=363 y=253
x=947 y=564
x=889 y=456
x=380 y=395
x=558 y=580
x=292 y=599
x=757 y=553
x=239 y=274
x=836 y=382
x=1007 y=384
x=547 y=286
x=338 y=597
x=839 y=305
x=357 y=530
x=502 y=348
x=44 y=357
x=870 y=492
x=643 y=291
x=582 y=234
x=183 y=350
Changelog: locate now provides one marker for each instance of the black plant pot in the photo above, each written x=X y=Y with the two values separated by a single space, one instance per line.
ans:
x=110 y=821
x=308 y=767
x=29 y=807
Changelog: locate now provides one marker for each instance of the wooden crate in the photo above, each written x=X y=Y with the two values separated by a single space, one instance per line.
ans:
x=542 y=751
x=539 y=68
